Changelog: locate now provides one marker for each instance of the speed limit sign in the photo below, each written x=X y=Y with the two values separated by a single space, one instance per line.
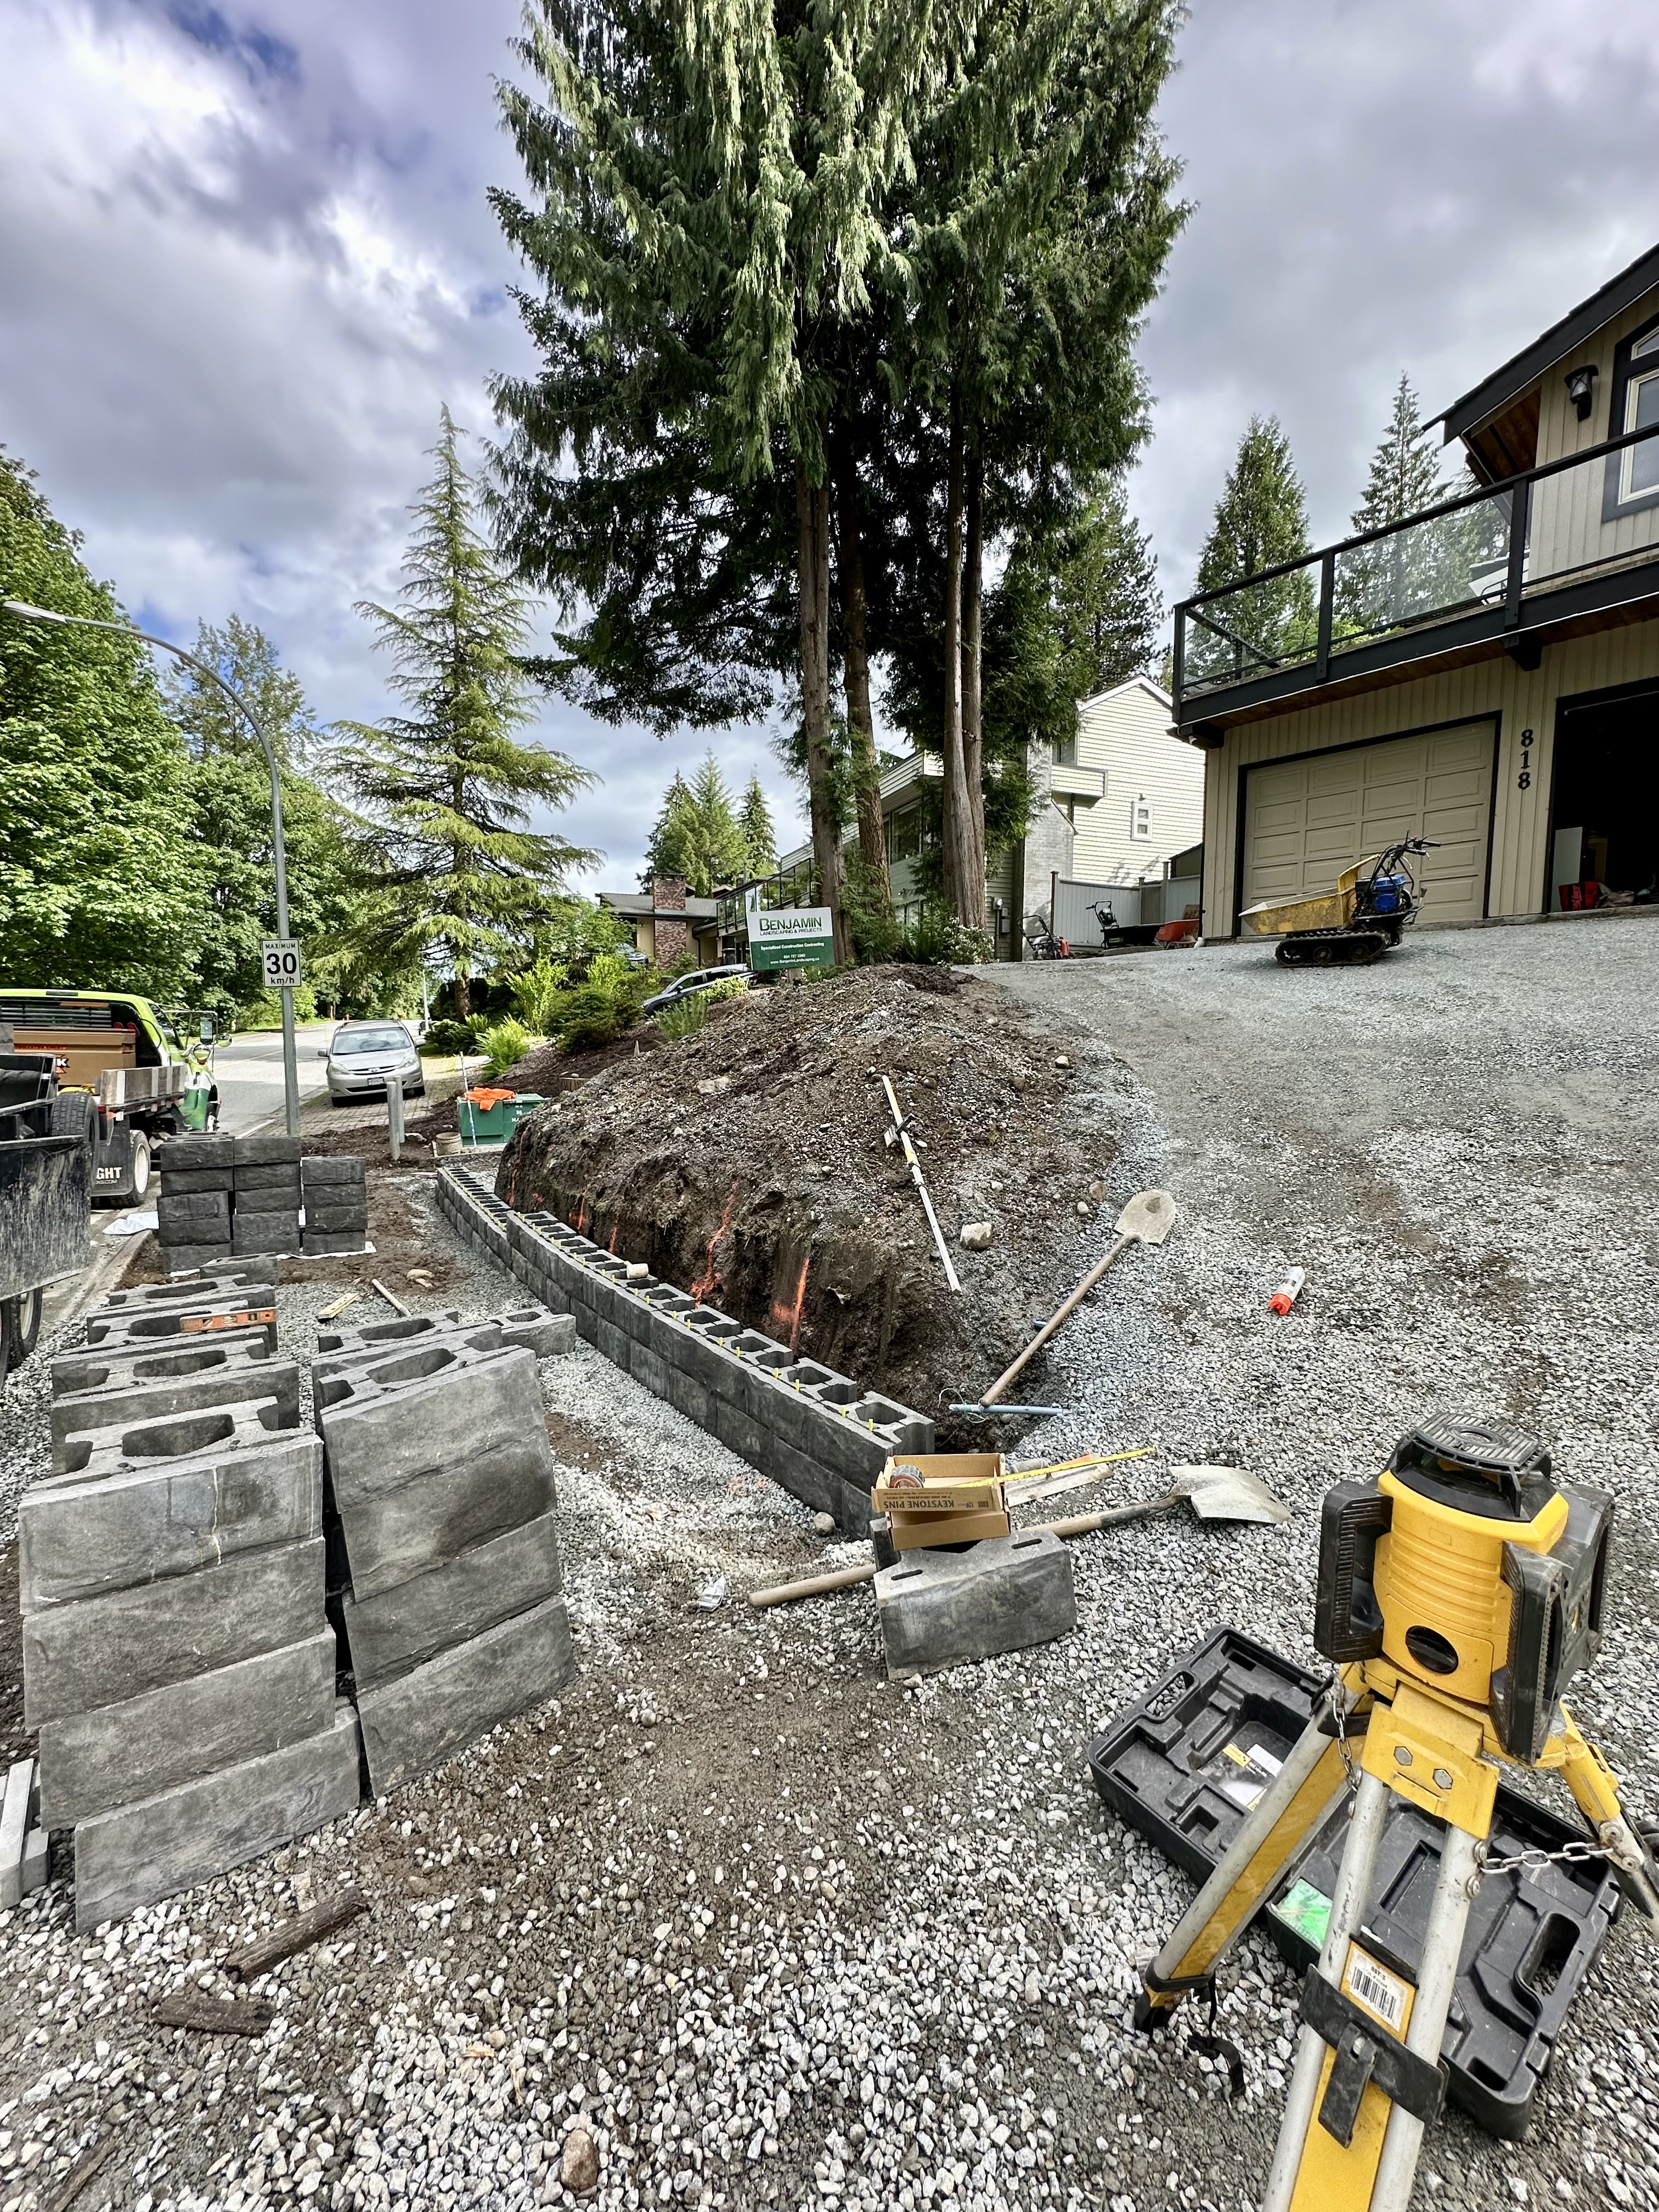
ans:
x=280 y=963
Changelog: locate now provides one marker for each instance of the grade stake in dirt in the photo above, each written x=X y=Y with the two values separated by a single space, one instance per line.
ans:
x=901 y=1131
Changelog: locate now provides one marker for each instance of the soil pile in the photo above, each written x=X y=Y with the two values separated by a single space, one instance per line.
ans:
x=748 y=1164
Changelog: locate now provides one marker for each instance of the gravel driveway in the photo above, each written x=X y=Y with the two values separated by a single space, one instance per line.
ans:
x=773 y=1932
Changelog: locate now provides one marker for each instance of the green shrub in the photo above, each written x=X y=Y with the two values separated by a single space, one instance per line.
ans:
x=593 y=1016
x=503 y=1044
x=450 y=1036
x=734 y=987
x=938 y=938
x=538 y=993
x=686 y=1017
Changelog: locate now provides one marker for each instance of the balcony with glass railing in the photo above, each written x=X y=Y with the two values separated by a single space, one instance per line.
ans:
x=1577 y=537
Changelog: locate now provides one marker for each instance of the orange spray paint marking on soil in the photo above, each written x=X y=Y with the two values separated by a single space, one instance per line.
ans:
x=581 y=1215
x=788 y=1317
x=707 y=1284
x=614 y=1234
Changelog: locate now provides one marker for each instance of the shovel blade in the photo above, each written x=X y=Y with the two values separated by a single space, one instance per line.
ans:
x=1148 y=1217
x=1227 y=1493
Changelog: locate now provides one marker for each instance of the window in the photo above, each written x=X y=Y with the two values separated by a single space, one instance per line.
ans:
x=1140 y=817
x=1632 y=475
x=904 y=834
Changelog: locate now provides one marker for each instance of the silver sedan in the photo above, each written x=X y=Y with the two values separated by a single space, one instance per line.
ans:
x=365 y=1059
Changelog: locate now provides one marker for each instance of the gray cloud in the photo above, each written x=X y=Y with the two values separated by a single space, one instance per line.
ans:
x=245 y=254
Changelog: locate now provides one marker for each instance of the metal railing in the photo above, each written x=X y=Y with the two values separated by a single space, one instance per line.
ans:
x=1587 y=514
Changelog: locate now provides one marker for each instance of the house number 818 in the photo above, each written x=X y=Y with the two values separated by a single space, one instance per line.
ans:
x=1524 y=781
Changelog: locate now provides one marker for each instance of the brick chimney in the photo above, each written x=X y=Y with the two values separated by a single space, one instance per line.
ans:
x=673 y=938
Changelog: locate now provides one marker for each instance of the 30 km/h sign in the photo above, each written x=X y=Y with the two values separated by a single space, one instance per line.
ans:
x=280 y=963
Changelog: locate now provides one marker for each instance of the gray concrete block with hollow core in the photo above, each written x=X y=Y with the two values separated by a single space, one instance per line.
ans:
x=188 y=1183
x=950 y=1609
x=374 y=1336
x=137 y=1403
x=204 y=1313
x=197 y=1216
x=97 y=1366
x=266 y=1152
x=335 y=1220
x=447 y=1353
x=420 y=1469
x=187 y=1835
x=97 y=1651
x=386 y=1636
x=222 y=1275
x=195 y=1152
x=265 y=1232
x=276 y=1175
x=121 y=1447
x=110 y=1755
x=336 y=1170
x=328 y=1243
x=78 y=1536
x=186 y=1260
x=427 y=1716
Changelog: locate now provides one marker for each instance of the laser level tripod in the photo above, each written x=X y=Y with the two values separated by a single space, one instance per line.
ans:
x=1458 y=1595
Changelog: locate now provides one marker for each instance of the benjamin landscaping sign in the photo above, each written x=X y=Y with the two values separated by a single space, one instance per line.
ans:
x=790 y=936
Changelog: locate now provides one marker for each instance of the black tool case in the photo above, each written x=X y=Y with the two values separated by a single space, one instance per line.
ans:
x=1184 y=1765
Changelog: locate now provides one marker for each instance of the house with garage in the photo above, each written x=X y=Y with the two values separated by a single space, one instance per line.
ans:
x=1111 y=806
x=1486 y=674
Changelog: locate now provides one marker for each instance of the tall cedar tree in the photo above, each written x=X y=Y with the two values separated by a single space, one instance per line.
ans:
x=99 y=878
x=229 y=795
x=447 y=786
x=1260 y=520
x=1404 y=577
x=760 y=838
x=696 y=836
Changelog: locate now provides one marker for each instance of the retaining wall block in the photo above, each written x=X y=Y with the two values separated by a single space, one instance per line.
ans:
x=96 y=1651
x=99 y=1368
x=124 y=1447
x=168 y=1843
x=480 y=1586
x=135 y=1403
x=110 y=1755
x=419 y=1469
x=947 y=1608
x=79 y=1535
x=425 y=1716
x=266 y=1152
x=250 y=1305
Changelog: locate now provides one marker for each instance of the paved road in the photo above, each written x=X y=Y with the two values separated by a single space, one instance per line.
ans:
x=249 y=1074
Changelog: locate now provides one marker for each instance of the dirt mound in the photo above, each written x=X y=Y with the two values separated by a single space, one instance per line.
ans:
x=748 y=1164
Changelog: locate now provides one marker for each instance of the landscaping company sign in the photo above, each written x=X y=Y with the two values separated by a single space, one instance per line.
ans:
x=790 y=936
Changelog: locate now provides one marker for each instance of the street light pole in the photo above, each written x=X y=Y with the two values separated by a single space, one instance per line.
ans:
x=25 y=612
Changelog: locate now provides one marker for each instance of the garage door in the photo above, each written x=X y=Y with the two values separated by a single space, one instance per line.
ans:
x=1307 y=820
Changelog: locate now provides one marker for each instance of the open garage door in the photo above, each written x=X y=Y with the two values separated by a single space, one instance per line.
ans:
x=1306 y=820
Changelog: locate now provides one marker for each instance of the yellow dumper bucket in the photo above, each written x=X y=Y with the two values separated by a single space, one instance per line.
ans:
x=1331 y=910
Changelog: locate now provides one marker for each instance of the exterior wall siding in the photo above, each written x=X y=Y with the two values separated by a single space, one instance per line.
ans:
x=1521 y=701
x=1125 y=733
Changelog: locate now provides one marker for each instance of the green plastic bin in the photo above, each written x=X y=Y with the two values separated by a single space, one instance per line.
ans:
x=491 y=1126
x=526 y=1102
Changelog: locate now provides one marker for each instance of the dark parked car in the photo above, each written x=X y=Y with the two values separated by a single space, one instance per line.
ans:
x=687 y=986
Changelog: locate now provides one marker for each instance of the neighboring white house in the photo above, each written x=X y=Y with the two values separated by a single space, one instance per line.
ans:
x=1123 y=800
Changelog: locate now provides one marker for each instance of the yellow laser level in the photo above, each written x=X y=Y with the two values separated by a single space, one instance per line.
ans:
x=1457 y=1595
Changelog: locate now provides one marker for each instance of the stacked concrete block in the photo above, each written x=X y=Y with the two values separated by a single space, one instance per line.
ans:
x=444 y=1577
x=544 y=1335
x=178 y=1660
x=939 y=1608
x=335 y=1196
x=820 y=1434
x=23 y=1841
x=266 y=1213
x=193 y=1209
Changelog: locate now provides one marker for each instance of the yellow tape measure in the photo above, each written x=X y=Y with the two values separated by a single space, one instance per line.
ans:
x=913 y=1490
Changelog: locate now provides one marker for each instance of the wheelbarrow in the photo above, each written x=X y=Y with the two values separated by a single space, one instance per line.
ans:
x=1352 y=926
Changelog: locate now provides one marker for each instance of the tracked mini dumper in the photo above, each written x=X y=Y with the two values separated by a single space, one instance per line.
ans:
x=1352 y=926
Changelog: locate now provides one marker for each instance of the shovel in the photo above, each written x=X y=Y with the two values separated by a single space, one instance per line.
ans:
x=1146 y=1220
x=1215 y=1493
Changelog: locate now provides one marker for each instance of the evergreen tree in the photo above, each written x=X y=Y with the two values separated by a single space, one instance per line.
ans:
x=448 y=786
x=1404 y=577
x=1260 y=519
x=1108 y=604
x=668 y=848
x=760 y=839
x=696 y=836
x=99 y=882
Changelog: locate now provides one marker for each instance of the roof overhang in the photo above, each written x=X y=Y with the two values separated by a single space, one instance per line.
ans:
x=1496 y=392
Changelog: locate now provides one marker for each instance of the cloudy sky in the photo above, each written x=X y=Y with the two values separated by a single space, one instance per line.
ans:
x=245 y=255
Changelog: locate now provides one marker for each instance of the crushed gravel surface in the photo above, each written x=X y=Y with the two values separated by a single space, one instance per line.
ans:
x=736 y=1923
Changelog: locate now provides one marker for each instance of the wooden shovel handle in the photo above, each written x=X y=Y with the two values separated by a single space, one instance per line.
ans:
x=1056 y=1320
x=814 y=1586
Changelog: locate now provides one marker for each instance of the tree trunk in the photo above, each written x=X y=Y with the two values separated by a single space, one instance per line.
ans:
x=812 y=515
x=958 y=810
x=973 y=736
x=860 y=724
x=463 y=994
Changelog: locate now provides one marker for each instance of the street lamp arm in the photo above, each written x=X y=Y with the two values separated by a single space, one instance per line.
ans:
x=25 y=612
